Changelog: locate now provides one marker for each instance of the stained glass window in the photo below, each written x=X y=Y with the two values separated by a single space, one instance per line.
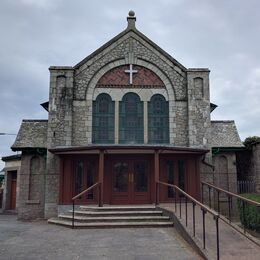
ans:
x=131 y=121
x=158 y=120
x=103 y=119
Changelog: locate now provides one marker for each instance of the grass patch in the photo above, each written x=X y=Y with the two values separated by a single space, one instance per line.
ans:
x=251 y=217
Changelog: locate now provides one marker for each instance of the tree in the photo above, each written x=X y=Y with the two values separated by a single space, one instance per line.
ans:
x=250 y=141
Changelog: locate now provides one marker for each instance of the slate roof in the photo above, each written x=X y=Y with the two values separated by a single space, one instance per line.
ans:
x=32 y=134
x=224 y=134
x=11 y=158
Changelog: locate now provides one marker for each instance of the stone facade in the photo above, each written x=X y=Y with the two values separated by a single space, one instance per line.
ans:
x=71 y=95
x=31 y=198
x=255 y=162
x=225 y=172
x=249 y=166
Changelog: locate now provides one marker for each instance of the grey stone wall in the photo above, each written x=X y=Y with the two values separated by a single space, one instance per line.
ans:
x=225 y=177
x=60 y=107
x=199 y=125
x=52 y=183
x=249 y=165
x=225 y=173
x=255 y=166
x=59 y=130
x=30 y=201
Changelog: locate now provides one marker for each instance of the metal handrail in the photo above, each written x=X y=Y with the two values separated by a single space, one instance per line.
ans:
x=195 y=202
x=255 y=203
x=230 y=196
x=213 y=212
x=86 y=190
x=97 y=184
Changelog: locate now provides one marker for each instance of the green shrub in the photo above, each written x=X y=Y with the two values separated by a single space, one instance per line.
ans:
x=251 y=219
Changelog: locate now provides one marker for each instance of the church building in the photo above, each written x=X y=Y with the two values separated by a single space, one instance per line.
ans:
x=125 y=117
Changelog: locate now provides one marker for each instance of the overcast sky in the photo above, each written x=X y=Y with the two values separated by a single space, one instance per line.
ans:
x=222 y=35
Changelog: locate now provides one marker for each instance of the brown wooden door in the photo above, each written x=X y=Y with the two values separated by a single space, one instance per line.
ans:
x=85 y=175
x=13 y=194
x=130 y=182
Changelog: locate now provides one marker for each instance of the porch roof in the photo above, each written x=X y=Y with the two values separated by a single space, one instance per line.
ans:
x=123 y=149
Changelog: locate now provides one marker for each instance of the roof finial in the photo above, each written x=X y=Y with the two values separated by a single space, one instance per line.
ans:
x=131 y=20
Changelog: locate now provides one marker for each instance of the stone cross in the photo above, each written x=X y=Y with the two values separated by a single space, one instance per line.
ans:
x=131 y=71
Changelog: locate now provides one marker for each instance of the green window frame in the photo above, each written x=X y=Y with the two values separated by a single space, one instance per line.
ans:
x=158 y=120
x=131 y=119
x=103 y=120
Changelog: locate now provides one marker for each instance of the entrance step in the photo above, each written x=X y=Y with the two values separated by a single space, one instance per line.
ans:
x=110 y=224
x=118 y=213
x=114 y=216
x=119 y=208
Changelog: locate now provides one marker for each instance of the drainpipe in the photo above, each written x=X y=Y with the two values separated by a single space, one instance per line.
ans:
x=206 y=163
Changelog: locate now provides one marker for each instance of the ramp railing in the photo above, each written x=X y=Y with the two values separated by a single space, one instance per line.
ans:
x=179 y=203
x=214 y=200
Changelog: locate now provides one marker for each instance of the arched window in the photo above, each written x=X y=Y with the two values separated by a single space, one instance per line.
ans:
x=158 y=120
x=131 y=120
x=103 y=119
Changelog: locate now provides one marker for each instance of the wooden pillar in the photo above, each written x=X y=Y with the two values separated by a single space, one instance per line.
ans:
x=156 y=175
x=101 y=177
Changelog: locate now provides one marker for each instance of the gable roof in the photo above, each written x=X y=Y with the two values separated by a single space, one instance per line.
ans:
x=131 y=28
x=32 y=134
x=224 y=134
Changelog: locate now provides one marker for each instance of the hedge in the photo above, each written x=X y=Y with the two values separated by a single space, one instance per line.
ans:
x=251 y=219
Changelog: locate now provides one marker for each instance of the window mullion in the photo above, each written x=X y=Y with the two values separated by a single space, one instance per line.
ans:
x=145 y=118
x=116 y=121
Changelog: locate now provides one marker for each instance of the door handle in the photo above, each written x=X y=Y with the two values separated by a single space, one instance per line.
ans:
x=131 y=177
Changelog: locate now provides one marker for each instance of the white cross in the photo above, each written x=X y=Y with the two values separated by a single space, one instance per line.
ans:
x=131 y=71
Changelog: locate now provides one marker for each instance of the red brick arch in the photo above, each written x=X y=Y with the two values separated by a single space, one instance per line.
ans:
x=117 y=77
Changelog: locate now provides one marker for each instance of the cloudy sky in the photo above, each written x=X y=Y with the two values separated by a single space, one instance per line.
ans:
x=222 y=35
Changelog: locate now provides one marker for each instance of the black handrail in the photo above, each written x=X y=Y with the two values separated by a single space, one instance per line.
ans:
x=205 y=209
x=229 y=195
x=97 y=184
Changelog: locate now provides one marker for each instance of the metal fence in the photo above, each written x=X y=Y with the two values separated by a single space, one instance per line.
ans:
x=246 y=187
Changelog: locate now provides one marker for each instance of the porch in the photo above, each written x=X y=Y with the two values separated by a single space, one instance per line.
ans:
x=126 y=174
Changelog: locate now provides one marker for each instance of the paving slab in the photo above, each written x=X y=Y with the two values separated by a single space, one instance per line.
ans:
x=39 y=240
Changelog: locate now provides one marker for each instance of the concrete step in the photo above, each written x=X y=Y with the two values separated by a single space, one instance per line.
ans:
x=110 y=224
x=119 y=208
x=114 y=218
x=118 y=213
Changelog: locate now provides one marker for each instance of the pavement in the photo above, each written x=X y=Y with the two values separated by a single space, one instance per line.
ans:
x=39 y=240
x=233 y=245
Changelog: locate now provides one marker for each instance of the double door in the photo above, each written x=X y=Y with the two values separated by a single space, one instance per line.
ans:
x=131 y=182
